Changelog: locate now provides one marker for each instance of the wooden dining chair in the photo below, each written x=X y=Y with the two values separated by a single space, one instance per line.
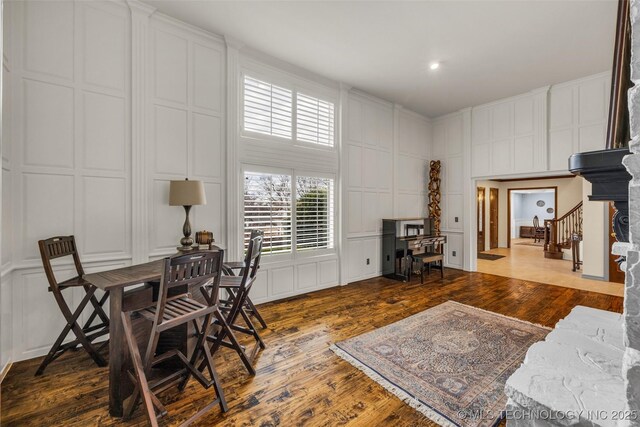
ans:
x=60 y=247
x=240 y=286
x=175 y=306
x=538 y=232
x=230 y=269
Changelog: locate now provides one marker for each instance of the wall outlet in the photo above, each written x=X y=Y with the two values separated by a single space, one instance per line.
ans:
x=456 y=219
x=453 y=253
x=368 y=261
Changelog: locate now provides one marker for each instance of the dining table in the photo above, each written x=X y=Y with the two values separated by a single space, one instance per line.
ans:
x=116 y=283
x=132 y=288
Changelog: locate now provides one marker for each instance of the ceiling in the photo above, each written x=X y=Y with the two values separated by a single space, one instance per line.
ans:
x=488 y=49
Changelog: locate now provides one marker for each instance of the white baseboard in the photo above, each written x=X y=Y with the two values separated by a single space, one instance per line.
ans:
x=5 y=370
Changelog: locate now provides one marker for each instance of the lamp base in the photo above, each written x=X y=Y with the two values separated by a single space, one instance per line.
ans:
x=185 y=248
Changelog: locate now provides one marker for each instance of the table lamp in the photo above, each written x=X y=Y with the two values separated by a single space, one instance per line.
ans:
x=186 y=194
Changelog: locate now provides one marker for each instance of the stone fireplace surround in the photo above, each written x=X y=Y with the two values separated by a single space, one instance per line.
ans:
x=587 y=371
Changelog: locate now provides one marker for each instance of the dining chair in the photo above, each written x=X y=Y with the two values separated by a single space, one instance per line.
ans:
x=176 y=306
x=538 y=232
x=60 y=247
x=240 y=286
x=230 y=268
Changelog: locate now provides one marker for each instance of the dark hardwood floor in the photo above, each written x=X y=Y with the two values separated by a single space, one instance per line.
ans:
x=299 y=380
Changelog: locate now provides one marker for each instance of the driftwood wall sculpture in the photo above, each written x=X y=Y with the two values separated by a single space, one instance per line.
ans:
x=434 y=194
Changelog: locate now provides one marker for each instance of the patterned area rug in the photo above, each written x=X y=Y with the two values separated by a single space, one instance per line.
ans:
x=449 y=362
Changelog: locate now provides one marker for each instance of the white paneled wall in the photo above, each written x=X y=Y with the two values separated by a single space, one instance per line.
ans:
x=509 y=136
x=68 y=170
x=386 y=152
x=411 y=163
x=532 y=134
x=113 y=104
x=448 y=147
x=577 y=118
x=6 y=321
x=185 y=130
x=368 y=178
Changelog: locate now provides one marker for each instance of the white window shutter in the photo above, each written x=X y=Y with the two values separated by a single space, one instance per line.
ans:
x=315 y=120
x=267 y=108
x=268 y=207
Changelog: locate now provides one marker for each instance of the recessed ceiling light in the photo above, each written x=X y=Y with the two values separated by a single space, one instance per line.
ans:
x=434 y=65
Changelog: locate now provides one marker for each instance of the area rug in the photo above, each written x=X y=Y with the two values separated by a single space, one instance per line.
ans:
x=531 y=243
x=449 y=362
x=489 y=257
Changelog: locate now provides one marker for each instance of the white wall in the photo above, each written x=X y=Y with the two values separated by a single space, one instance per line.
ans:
x=449 y=144
x=6 y=331
x=530 y=135
x=113 y=104
x=385 y=164
x=115 y=101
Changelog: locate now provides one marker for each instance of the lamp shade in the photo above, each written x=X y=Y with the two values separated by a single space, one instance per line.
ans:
x=186 y=193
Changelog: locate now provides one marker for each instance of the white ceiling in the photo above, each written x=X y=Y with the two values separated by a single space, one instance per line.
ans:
x=488 y=49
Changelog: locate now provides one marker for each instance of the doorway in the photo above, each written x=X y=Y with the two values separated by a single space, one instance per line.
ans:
x=493 y=218
x=527 y=209
x=480 y=210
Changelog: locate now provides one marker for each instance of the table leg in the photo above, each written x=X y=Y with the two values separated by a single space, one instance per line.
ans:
x=115 y=353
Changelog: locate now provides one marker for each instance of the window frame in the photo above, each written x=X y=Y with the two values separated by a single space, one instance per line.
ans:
x=295 y=88
x=294 y=174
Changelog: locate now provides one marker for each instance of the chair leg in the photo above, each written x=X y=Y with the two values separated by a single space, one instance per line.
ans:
x=252 y=328
x=98 y=310
x=139 y=370
x=201 y=333
x=256 y=313
x=72 y=325
x=225 y=331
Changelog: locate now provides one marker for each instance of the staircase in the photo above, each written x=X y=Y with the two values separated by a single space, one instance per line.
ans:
x=561 y=232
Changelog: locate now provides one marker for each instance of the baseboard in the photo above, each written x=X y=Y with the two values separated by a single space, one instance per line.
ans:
x=590 y=277
x=5 y=370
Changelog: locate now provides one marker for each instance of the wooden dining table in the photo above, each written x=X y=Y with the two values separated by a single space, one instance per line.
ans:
x=115 y=282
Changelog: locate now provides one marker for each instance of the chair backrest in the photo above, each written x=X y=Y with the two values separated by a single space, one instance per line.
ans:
x=200 y=268
x=536 y=221
x=58 y=247
x=252 y=261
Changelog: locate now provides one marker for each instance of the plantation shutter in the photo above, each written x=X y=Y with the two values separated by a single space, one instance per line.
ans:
x=267 y=108
x=315 y=120
x=314 y=213
x=267 y=207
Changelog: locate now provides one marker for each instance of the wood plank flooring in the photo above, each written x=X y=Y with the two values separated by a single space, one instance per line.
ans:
x=299 y=380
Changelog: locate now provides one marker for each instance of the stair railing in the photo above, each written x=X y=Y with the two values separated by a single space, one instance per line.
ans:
x=559 y=231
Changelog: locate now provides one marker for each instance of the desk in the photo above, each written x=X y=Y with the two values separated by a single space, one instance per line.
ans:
x=115 y=281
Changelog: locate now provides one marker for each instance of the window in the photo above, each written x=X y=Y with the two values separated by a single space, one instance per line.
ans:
x=314 y=120
x=267 y=207
x=314 y=213
x=267 y=108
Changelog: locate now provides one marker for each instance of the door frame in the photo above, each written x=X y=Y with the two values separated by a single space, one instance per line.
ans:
x=481 y=205
x=497 y=190
x=509 y=190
